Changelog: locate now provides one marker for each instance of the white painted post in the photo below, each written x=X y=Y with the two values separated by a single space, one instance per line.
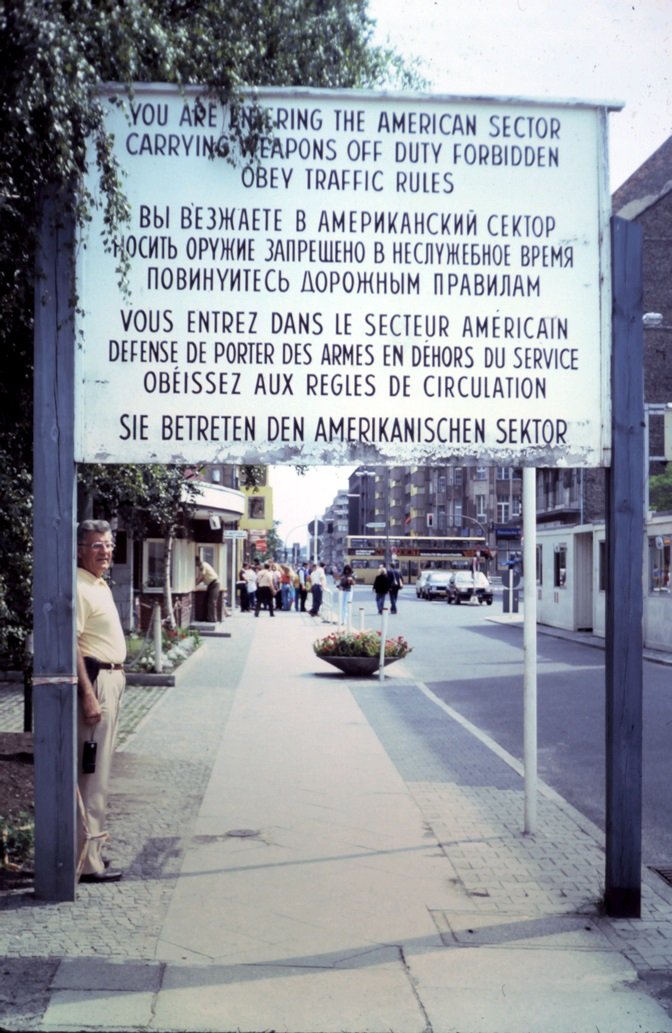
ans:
x=156 y=628
x=530 y=647
x=383 y=638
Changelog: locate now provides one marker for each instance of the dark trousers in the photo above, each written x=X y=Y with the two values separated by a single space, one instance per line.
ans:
x=264 y=598
x=211 y=601
x=317 y=599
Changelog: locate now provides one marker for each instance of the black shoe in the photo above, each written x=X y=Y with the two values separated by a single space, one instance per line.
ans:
x=107 y=875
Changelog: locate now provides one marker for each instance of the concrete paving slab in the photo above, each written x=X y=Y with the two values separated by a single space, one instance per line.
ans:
x=490 y=990
x=372 y=995
x=110 y=1010
x=107 y=974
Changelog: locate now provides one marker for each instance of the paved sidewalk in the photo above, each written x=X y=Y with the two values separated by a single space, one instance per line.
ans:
x=295 y=863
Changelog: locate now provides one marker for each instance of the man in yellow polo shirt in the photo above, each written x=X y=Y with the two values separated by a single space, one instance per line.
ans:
x=101 y=651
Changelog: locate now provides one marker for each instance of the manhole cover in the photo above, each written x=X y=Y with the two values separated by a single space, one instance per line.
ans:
x=243 y=833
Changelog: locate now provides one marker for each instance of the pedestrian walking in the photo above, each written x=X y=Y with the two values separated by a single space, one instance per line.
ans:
x=381 y=587
x=304 y=582
x=345 y=582
x=396 y=582
x=318 y=583
x=265 y=592
x=250 y=576
x=241 y=585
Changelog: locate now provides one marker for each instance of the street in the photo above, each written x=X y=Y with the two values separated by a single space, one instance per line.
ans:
x=475 y=666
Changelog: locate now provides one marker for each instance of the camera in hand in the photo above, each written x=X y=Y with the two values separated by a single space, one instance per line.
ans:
x=89 y=757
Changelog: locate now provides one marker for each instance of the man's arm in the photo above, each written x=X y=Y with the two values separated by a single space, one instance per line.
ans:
x=90 y=706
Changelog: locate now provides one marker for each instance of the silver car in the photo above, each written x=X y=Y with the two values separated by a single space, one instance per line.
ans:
x=436 y=585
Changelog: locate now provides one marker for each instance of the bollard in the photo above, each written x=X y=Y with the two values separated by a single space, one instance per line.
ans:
x=383 y=639
x=156 y=628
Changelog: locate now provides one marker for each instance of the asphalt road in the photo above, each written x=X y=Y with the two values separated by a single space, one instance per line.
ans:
x=476 y=667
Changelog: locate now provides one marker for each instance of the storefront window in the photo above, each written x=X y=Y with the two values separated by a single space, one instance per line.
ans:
x=560 y=566
x=659 y=563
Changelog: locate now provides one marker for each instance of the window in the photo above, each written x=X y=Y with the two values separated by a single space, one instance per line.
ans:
x=458 y=514
x=481 y=473
x=458 y=475
x=516 y=505
x=503 y=512
x=540 y=565
x=256 y=507
x=207 y=554
x=659 y=563
x=560 y=566
x=153 y=556
x=602 y=561
x=481 y=510
x=503 y=473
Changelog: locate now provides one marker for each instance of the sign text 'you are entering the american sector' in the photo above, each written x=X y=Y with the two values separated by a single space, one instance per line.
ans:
x=401 y=278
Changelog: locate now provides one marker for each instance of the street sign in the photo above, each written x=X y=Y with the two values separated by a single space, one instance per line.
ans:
x=320 y=527
x=234 y=534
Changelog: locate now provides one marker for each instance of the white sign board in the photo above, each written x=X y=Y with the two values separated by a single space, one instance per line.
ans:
x=391 y=278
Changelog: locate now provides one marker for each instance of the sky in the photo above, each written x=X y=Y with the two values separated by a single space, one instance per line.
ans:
x=595 y=50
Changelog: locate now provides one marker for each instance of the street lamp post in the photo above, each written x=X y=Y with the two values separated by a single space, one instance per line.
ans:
x=479 y=525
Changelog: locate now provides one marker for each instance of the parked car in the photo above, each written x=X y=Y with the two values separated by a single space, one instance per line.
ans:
x=436 y=584
x=463 y=586
x=420 y=582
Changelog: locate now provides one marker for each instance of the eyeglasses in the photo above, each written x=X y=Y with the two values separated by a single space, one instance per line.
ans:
x=101 y=546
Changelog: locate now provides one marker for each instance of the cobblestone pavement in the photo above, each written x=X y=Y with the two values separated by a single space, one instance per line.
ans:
x=138 y=701
x=156 y=794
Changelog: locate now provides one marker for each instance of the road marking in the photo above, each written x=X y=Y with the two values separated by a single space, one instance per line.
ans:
x=494 y=746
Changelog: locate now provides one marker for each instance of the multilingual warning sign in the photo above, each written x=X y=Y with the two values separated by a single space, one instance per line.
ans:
x=371 y=278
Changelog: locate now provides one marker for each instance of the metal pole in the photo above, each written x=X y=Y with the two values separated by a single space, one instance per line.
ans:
x=530 y=647
x=234 y=573
x=383 y=639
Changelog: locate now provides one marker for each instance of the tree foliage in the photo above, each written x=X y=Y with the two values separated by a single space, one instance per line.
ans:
x=660 y=491
x=56 y=53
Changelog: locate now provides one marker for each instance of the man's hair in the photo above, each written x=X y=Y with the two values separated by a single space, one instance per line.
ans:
x=86 y=526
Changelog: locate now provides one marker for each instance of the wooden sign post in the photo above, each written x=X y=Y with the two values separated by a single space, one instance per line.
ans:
x=54 y=681
x=625 y=530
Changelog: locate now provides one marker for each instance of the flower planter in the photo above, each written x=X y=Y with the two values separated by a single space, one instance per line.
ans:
x=358 y=666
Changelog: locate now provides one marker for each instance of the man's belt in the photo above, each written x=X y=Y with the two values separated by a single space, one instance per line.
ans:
x=93 y=667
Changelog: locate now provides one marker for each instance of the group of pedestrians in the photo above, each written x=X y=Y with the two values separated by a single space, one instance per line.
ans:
x=277 y=586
